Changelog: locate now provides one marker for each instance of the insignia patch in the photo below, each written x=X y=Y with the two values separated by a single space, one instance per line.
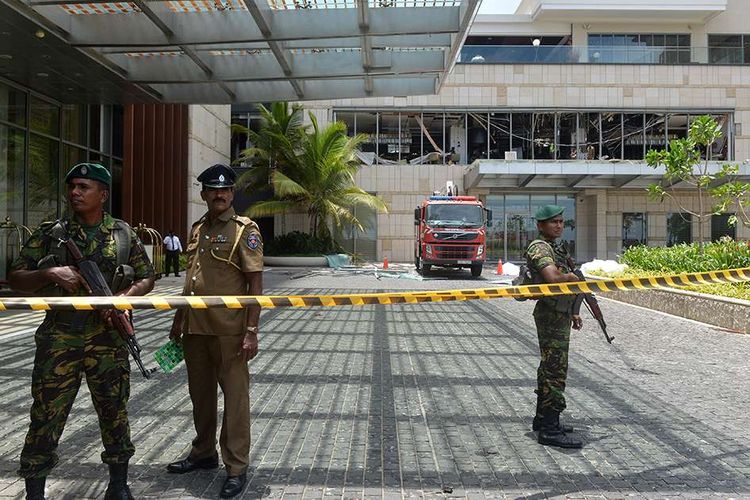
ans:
x=253 y=241
x=84 y=170
x=221 y=178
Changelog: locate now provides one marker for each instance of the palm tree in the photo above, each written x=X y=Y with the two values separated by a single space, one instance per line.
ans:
x=280 y=134
x=314 y=174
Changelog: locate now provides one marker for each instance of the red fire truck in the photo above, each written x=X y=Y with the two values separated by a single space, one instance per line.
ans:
x=450 y=231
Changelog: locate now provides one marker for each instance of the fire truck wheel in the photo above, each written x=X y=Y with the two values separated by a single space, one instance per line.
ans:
x=476 y=270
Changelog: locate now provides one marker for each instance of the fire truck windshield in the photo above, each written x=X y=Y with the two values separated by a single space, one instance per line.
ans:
x=455 y=215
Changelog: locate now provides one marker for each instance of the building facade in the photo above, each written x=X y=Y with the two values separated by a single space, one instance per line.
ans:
x=559 y=103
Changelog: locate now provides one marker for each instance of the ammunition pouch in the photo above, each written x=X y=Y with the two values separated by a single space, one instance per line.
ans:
x=124 y=277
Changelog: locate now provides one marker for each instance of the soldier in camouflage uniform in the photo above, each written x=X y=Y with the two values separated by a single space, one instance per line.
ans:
x=548 y=262
x=70 y=344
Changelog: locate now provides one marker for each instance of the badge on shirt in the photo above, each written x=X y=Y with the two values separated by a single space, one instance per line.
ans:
x=253 y=241
x=219 y=238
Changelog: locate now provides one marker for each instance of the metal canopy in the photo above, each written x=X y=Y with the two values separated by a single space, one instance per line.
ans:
x=541 y=174
x=234 y=51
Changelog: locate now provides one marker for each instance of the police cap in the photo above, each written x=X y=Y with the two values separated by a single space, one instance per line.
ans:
x=547 y=212
x=93 y=171
x=217 y=176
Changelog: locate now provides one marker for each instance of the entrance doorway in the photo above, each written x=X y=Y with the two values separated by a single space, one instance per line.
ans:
x=514 y=227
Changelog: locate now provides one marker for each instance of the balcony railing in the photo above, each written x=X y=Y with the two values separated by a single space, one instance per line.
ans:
x=625 y=54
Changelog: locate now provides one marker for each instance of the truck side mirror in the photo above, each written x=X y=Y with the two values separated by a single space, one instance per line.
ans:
x=417 y=214
x=489 y=215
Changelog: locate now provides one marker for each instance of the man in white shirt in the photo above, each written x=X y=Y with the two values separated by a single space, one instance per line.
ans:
x=173 y=247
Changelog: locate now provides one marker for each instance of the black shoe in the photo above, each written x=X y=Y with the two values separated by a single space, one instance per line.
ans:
x=560 y=439
x=190 y=464
x=233 y=486
x=537 y=425
x=118 y=489
x=551 y=433
x=35 y=488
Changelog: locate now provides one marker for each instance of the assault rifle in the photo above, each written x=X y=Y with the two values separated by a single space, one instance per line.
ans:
x=93 y=276
x=591 y=303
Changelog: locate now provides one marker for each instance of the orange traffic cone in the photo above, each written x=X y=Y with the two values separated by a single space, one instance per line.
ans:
x=499 y=266
x=385 y=262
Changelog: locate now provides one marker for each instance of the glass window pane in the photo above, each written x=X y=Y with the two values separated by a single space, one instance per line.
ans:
x=367 y=125
x=633 y=136
x=455 y=124
x=118 y=131
x=43 y=187
x=433 y=137
x=499 y=135
x=611 y=135
x=633 y=229
x=521 y=131
x=655 y=131
x=11 y=173
x=12 y=105
x=388 y=138
x=44 y=117
x=544 y=136
x=568 y=202
x=520 y=226
x=567 y=137
x=720 y=148
x=74 y=123
x=95 y=127
x=477 y=136
x=720 y=227
x=496 y=228
x=348 y=118
x=679 y=228
x=412 y=137
x=588 y=131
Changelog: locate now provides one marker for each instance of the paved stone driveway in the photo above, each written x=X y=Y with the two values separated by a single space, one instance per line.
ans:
x=430 y=400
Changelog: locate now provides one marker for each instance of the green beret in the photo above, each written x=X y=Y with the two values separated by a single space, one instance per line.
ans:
x=92 y=171
x=547 y=212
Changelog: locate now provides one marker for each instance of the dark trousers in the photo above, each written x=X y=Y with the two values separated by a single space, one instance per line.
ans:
x=172 y=261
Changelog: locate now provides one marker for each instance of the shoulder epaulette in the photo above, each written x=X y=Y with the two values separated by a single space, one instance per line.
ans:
x=241 y=219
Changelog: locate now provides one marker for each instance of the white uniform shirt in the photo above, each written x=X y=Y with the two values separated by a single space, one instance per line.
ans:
x=172 y=243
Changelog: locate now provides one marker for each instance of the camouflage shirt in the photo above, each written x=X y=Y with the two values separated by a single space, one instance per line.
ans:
x=542 y=253
x=101 y=249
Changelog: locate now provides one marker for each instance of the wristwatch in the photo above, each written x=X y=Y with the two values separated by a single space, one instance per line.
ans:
x=251 y=329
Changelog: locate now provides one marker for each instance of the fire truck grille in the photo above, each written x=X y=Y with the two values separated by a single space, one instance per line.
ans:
x=455 y=236
x=454 y=252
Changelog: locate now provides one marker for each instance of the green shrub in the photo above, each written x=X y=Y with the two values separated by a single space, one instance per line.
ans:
x=725 y=254
x=298 y=243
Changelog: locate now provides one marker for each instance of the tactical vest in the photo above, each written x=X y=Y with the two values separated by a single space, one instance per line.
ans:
x=560 y=303
x=123 y=240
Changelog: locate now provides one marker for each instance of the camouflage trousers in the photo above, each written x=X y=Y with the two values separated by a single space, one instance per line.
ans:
x=553 y=331
x=62 y=357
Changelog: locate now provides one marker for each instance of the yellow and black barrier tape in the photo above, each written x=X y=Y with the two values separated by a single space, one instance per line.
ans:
x=360 y=299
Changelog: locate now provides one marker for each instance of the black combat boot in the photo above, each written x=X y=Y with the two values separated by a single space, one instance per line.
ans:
x=551 y=434
x=117 y=489
x=537 y=423
x=35 y=488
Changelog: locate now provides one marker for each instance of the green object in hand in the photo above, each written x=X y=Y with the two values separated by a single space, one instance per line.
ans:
x=169 y=355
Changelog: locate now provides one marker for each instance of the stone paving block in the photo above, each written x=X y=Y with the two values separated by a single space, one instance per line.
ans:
x=411 y=401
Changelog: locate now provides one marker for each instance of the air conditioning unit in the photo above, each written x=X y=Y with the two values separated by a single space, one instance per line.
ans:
x=511 y=155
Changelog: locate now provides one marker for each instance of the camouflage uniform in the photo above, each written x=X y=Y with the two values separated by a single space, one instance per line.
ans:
x=553 y=316
x=69 y=344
